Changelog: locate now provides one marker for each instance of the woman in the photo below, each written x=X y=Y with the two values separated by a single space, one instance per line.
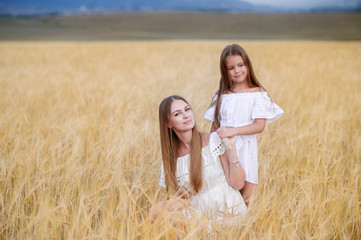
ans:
x=201 y=170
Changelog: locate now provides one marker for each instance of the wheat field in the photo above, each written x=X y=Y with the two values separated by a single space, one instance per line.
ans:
x=80 y=155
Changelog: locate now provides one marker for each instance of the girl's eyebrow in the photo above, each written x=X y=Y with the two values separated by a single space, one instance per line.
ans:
x=179 y=110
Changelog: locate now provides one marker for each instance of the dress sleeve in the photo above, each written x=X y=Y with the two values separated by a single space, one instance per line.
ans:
x=209 y=115
x=265 y=108
x=162 y=178
x=216 y=145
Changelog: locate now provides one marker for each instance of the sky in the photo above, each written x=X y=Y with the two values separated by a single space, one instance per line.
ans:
x=32 y=5
x=307 y=3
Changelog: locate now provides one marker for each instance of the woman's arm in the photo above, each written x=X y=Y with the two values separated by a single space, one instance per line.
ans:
x=232 y=168
x=256 y=127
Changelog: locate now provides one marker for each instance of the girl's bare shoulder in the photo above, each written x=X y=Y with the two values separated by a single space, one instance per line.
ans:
x=258 y=89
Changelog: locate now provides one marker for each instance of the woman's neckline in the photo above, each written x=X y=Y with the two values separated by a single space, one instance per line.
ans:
x=189 y=153
x=206 y=137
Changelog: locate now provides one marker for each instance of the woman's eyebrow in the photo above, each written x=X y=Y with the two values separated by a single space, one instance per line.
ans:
x=179 y=109
x=175 y=111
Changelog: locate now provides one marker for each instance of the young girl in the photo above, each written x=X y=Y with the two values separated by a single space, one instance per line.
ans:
x=242 y=107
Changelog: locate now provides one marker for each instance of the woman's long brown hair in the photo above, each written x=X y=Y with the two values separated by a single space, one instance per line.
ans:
x=169 y=146
x=225 y=83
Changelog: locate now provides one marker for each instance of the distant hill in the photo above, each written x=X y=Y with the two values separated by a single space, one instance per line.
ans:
x=70 y=7
x=195 y=25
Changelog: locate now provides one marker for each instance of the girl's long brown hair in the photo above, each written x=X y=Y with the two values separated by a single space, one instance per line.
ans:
x=169 y=146
x=225 y=83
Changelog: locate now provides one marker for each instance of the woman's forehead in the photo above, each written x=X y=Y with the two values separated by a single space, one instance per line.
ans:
x=178 y=104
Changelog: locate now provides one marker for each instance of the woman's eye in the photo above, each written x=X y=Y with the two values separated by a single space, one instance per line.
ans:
x=176 y=114
x=187 y=109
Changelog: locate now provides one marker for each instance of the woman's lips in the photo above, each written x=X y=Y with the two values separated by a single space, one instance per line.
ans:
x=188 y=122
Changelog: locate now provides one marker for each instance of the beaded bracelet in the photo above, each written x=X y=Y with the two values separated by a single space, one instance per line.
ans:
x=235 y=162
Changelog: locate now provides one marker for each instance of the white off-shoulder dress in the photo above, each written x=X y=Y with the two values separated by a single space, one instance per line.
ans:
x=216 y=199
x=241 y=109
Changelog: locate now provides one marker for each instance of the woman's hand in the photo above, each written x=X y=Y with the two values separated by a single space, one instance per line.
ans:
x=172 y=205
x=226 y=132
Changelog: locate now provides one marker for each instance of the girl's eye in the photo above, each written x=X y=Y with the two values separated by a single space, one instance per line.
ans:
x=187 y=109
x=176 y=114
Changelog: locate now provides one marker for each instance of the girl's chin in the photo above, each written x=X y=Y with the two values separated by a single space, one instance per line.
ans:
x=239 y=79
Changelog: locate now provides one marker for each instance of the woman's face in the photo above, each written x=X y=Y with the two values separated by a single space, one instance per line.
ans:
x=181 y=116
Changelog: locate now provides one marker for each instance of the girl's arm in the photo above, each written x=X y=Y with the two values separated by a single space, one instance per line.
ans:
x=256 y=127
x=232 y=168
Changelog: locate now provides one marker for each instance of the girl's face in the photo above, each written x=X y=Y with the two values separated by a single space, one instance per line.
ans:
x=181 y=116
x=236 y=69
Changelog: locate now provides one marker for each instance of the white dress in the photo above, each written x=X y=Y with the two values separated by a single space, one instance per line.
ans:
x=216 y=199
x=241 y=109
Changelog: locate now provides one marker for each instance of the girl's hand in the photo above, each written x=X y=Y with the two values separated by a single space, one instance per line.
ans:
x=226 y=132
x=229 y=143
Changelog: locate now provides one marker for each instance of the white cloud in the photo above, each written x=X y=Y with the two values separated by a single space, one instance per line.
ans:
x=83 y=9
